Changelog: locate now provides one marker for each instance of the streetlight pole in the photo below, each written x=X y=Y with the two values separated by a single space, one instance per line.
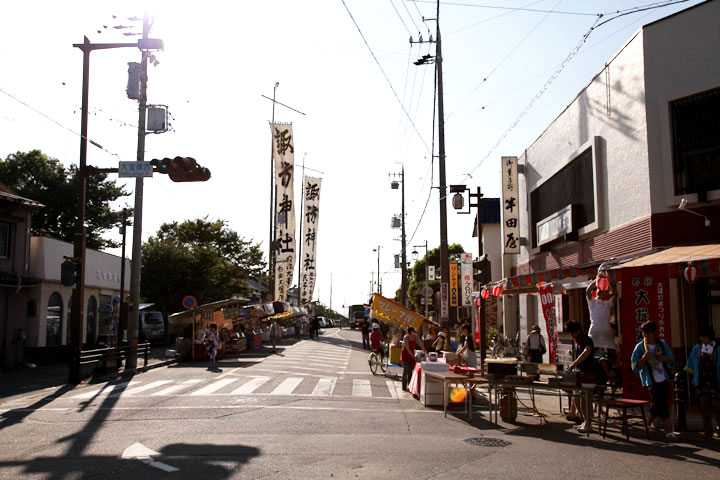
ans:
x=403 y=281
x=378 y=269
x=427 y=274
x=271 y=243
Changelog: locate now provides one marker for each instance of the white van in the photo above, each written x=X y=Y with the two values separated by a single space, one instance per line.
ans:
x=152 y=326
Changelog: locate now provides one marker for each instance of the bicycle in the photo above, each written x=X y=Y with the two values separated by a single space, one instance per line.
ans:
x=373 y=360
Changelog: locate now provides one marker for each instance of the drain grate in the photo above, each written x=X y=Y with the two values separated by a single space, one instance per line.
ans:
x=486 y=442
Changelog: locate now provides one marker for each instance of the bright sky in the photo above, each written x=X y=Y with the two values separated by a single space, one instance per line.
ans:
x=220 y=57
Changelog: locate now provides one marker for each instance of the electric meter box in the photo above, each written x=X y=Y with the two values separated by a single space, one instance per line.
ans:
x=157 y=119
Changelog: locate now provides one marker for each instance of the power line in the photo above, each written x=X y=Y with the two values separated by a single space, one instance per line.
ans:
x=400 y=17
x=411 y=17
x=384 y=74
x=493 y=18
x=495 y=7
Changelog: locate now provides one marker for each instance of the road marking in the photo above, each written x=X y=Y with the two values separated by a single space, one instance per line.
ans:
x=391 y=386
x=372 y=409
x=251 y=386
x=133 y=391
x=361 y=388
x=215 y=386
x=287 y=386
x=175 y=388
x=325 y=386
x=107 y=388
x=140 y=452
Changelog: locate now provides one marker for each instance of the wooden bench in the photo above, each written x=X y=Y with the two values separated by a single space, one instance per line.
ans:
x=624 y=404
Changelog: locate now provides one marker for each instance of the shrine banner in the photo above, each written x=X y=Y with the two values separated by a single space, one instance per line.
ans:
x=645 y=296
x=547 y=299
x=510 y=206
x=392 y=312
x=311 y=191
x=284 y=157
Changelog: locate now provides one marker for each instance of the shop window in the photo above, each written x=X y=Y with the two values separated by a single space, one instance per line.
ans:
x=696 y=143
x=91 y=326
x=54 y=319
x=572 y=185
x=4 y=240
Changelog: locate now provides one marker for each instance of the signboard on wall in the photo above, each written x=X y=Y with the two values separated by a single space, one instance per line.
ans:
x=466 y=280
x=454 y=290
x=510 y=206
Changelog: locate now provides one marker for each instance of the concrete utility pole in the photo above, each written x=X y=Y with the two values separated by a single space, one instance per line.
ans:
x=403 y=280
x=134 y=311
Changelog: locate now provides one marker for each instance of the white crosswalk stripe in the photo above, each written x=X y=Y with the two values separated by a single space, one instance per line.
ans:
x=251 y=386
x=287 y=386
x=325 y=386
x=106 y=389
x=176 y=388
x=214 y=387
x=133 y=391
x=361 y=388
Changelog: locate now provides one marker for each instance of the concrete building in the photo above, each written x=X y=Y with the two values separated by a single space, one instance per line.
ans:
x=604 y=180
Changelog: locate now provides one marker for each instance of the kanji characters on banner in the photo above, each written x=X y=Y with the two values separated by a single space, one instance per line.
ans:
x=547 y=299
x=311 y=192
x=284 y=157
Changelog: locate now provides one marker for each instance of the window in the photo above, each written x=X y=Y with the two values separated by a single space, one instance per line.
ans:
x=91 y=326
x=696 y=143
x=54 y=320
x=4 y=240
x=572 y=185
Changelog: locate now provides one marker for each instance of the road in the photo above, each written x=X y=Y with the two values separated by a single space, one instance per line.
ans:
x=311 y=411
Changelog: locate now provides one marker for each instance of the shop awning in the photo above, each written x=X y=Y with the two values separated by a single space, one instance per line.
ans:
x=700 y=254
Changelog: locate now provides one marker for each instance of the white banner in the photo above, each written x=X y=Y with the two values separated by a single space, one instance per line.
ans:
x=466 y=279
x=311 y=190
x=510 y=206
x=284 y=158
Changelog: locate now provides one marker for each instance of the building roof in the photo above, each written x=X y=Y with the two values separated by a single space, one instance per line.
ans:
x=8 y=196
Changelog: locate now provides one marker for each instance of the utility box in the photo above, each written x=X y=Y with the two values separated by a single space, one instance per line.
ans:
x=157 y=118
x=133 y=86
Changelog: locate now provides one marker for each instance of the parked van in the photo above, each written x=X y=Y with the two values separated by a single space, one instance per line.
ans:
x=152 y=326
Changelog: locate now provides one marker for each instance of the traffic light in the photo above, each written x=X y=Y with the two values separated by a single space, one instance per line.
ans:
x=481 y=271
x=69 y=272
x=182 y=169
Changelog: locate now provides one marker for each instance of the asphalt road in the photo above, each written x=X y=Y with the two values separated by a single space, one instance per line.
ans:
x=311 y=411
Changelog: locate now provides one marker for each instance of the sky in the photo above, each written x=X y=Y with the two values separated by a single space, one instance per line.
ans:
x=347 y=65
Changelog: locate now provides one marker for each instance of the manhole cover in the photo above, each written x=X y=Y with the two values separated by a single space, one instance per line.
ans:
x=486 y=442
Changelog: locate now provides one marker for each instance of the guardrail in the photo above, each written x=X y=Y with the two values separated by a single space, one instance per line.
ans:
x=106 y=357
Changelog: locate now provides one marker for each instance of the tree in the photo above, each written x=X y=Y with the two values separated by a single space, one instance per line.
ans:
x=202 y=258
x=44 y=179
x=417 y=282
x=323 y=311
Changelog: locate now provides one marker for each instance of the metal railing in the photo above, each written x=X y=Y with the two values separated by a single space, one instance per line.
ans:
x=105 y=357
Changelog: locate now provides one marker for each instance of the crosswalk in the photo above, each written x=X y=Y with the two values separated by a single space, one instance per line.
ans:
x=315 y=386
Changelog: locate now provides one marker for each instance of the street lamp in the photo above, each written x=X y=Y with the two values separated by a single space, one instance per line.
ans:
x=683 y=206
x=379 y=291
x=79 y=243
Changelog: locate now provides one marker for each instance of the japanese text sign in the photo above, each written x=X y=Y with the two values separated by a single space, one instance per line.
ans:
x=135 y=169
x=510 y=206
x=466 y=273
x=284 y=159
x=454 y=290
x=391 y=312
x=311 y=219
x=547 y=299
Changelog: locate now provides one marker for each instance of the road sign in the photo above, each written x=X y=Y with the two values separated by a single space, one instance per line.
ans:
x=427 y=291
x=189 y=302
x=135 y=169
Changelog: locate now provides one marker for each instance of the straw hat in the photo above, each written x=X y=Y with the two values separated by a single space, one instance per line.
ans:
x=441 y=334
x=535 y=328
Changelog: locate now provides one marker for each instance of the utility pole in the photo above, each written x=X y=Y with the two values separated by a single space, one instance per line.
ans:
x=483 y=340
x=134 y=310
x=403 y=281
x=330 y=290
x=123 y=303
x=378 y=270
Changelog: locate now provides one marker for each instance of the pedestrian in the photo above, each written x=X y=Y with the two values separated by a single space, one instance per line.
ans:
x=211 y=340
x=584 y=367
x=365 y=328
x=274 y=333
x=534 y=345
x=704 y=366
x=600 y=304
x=407 y=356
x=314 y=327
x=440 y=343
x=298 y=327
x=652 y=359
x=467 y=349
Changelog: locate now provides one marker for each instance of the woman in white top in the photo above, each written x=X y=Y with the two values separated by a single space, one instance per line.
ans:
x=535 y=345
x=600 y=308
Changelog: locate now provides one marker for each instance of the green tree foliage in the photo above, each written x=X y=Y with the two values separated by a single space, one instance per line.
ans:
x=323 y=311
x=44 y=179
x=199 y=257
x=417 y=280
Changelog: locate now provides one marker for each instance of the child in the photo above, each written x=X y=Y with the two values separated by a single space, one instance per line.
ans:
x=704 y=365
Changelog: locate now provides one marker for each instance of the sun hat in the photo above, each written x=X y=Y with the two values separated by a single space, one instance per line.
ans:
x=535 y=328
x=441 y=334
x=375 y=325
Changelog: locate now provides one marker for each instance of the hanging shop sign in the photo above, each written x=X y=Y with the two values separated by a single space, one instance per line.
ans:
x=311 y=195
x=284 y=159
x=444 y=308
x=510 y=206
x=466 y=278
x=645 y=296
x=392 y=312
x=547 y=299
x=454 y=290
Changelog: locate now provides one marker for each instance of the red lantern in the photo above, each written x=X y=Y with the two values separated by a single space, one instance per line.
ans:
x=602 y=283
x=497 y=291
x=477 y=302
x=594 y=294
x=691 y=273
x=485 y=293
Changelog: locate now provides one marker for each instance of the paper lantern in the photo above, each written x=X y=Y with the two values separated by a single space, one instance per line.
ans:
x=477 y=302
x=485 y=293
x=602 y=283
x=691 y=273
x=497 y=291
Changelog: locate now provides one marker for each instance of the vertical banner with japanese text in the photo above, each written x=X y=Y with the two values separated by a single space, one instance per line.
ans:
x=311 y=190
x=547 y=299
x=454 y=290
x=645 y=296
x=284 y=158
x=476 y=306
x=466 y=273
x=510 y=206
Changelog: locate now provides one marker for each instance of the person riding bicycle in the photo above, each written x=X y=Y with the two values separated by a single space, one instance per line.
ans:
x=376 y=340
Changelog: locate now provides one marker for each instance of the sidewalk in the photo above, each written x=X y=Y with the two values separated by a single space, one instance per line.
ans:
x=28 y=380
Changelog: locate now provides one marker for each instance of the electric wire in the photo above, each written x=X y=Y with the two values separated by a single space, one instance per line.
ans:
x=495 y=7
x=421 y=16
x=411 y=17
x=400 y=17
x=492 y=18
x=92 y=142
x=384 y=74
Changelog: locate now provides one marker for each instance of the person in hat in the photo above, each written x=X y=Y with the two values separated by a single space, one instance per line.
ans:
x=440 y=344
x=704 y=366
x=376 y=340
x=211 y=341
x=534 y=345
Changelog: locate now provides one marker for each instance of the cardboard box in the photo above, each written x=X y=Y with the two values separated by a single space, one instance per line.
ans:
x=395 y=355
